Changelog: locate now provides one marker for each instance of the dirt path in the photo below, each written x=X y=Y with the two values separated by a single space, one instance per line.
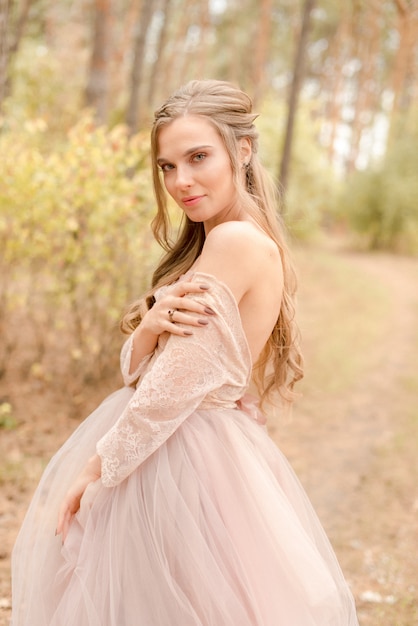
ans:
x=353 y=447
x=344 y=445
x=361 y=417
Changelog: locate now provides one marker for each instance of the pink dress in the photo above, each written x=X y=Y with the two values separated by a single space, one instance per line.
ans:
x=198 y=520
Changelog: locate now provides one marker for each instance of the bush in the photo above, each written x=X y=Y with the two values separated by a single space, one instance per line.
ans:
x=47 y=84
x=381 y=203
x=76 y=247
x=313 y=186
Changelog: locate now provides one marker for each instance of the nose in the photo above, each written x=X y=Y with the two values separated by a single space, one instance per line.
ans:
x=184 y=177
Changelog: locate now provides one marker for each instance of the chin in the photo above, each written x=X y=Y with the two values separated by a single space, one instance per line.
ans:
x=195 y=219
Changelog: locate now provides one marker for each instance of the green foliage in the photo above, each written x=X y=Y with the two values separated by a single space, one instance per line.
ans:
x=7 y=420
x=47 y=85
x=313 y=185
x=381 y=203
x=74 y=235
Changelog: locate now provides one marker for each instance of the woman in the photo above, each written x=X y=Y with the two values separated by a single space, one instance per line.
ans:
x=185 y=513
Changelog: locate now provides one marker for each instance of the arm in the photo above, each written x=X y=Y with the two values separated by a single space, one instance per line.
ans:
x=71 y=503
x=131 y=375
x=190 y=313
x=189 y=369
x=182 y=375
x=141 y=430
x=233 y=252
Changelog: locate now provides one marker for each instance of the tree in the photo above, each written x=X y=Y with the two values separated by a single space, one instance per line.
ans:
x=97 y=90
x=4 y=20
x=404 y=74
x=178 y=65
x=11 y=34
x=298 y=72
x=367 y=92
x=261 y=49
x=160 y=49
x=332 y=81
x=137 y=71
x=203 y=48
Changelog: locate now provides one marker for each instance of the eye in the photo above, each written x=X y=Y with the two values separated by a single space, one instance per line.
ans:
x=166 y=167
x=200 y=156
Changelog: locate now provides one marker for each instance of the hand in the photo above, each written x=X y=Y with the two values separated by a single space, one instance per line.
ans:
x=71 y=503
x=158 y=320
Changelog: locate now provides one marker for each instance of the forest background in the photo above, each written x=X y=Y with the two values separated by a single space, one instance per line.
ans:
x=336 y=86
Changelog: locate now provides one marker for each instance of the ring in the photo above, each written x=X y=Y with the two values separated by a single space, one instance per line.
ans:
x=170 y=315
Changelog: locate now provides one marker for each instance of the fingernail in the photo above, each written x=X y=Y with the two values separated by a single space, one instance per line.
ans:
x=209 y=310
x=187 y=332
x=204 y=286
x=203 y=322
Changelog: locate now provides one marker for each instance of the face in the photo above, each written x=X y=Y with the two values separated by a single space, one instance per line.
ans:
x=197 y=170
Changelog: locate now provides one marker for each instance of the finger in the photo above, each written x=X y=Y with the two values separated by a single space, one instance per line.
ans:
x=180 y=317
x=69 y=507
x=61 y=525
x=65 y=528
x=182 y=288
x=175 y=329
x=188 y=304
x=60 y=522
x=67 y=519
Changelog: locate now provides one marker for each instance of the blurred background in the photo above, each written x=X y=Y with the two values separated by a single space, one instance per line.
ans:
x=336 y=85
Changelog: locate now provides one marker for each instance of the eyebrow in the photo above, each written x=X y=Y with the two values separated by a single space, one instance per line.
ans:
x=185 y=154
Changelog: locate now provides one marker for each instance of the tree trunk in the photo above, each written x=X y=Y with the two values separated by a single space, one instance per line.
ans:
x=177 y=69
x=298 y=72
x=262 y=45
x=235 y=64
x=368 y=49
x=4 y=47
x=332 y=78
x=404 y=67
x=120 y=51
x=202 y=55
x=404 y=60
x=9 y=45
x=97 y=90
x=162 y=40
x=137 y=72
x=20 y=26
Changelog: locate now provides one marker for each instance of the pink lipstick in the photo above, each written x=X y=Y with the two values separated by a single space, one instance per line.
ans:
x=191 y=200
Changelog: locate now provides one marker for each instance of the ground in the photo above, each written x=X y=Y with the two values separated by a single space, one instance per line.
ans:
x=351 y=437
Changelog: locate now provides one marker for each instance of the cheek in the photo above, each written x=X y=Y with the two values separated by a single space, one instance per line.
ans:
x=222 y=173
x=168 y=184
x=226 y=178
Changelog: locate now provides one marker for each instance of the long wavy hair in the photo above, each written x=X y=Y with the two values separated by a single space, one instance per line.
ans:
x=229 y=110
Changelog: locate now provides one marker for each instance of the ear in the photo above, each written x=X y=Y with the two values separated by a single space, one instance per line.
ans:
x=245 y=150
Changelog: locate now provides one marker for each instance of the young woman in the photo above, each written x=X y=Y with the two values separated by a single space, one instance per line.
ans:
x=184 y=512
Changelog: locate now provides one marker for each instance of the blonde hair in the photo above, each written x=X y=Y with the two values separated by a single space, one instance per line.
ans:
x=229 y=110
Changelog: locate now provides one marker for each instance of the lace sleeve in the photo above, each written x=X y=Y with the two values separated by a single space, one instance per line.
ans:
x=183 y=372
x=125 y=363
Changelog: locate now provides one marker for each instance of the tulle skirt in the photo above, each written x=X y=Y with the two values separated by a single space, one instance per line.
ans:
x=213 y=529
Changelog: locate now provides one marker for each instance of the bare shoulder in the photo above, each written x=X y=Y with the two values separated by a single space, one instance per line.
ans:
x=239 y=253
x=238 y=237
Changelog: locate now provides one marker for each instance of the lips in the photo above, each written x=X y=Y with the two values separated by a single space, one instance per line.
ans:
x=191 y=200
